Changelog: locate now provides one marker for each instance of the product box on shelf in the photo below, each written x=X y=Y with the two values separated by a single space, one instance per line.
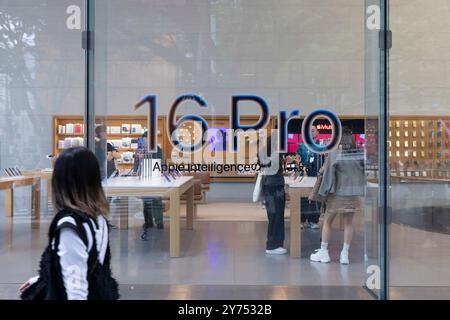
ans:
x=136 y=128
x=69 y=128
x=78 y=128
x=127 y=157
x=116 y=143
x=115 y=130
x=126 y=143
x=125 y=128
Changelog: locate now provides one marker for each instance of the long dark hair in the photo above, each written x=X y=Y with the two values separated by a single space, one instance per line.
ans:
x=77 y=184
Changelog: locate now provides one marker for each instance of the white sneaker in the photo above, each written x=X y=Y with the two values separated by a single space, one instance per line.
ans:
x=320 y=256
x=344 y=258
x=279 y=250
x=313 y=225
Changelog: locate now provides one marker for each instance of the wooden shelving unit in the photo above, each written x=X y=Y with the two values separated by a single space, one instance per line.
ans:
x=420 y=146
x=109 y=121
x=221 y=121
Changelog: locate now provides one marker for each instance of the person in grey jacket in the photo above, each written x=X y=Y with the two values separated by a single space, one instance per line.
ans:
x=343 y=185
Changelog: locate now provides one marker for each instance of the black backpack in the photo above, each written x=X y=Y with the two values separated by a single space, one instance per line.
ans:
x=50 y=286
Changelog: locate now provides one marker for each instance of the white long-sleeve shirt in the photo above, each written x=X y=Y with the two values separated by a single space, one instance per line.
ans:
x=73 y=256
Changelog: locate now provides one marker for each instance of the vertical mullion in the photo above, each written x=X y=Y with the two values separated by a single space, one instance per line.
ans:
x=89 y=111
x=385 y=207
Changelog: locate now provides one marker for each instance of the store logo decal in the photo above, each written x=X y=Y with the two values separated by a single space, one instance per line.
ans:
x=73 y=21
x=373 y=281
x=236 y=127
x=373 y=21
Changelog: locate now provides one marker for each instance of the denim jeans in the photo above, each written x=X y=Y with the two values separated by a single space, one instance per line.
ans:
x=153 y=208
x=310 y=210
x=274 y=197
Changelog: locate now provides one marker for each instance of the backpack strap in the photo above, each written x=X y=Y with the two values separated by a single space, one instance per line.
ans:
x=93 y=253
x=79 y=230
x=80 y=218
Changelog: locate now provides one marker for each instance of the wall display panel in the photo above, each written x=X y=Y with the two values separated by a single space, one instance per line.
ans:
x=218 y=148
x=419 y=146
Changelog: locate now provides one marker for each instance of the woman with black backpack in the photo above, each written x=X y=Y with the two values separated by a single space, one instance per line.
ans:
x=76 y=263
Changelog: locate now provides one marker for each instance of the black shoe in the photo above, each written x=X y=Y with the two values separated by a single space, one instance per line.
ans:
x=144 y=235
x=160 y=225
x=148 y=225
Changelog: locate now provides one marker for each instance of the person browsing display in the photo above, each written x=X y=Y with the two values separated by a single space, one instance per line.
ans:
x=272 y=170
x=112 y=154
x=153 y=206
x=312 y=162
x=106 y=153
x=342 y=187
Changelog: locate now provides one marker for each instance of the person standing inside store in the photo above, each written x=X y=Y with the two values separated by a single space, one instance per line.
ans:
x=105 y=152
x=312 y=162
x=76 y=263
x=343 y=186
x=274 y=196
x=153 y=206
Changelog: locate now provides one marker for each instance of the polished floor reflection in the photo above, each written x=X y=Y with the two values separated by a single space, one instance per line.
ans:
x=220 y=260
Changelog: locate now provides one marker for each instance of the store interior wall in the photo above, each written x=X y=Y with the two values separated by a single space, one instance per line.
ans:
x=294 y=54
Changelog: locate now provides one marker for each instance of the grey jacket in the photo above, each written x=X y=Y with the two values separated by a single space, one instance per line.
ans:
x=344 y=175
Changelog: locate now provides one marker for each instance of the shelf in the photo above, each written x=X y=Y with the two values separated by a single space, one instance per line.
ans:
x=127 y=149
x=124 y=135
x=162 y=138
x=70 y=147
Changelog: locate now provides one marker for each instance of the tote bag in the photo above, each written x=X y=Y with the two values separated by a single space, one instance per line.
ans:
x=314 y=195
x=258 y=188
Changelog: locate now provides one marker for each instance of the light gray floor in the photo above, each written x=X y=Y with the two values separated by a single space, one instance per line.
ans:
x=217 y=256
x=225 y=292
x=226 y=260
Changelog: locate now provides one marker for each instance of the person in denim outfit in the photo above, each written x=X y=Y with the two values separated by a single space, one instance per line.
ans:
x=310 y=210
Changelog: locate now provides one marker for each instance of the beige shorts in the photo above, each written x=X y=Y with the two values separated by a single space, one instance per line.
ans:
x=341 y=204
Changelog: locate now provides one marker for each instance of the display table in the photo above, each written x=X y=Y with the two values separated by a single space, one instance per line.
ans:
x=297 y=189
x=302 y=188
x=44 y=174
x=136 y=187
x=8 y=184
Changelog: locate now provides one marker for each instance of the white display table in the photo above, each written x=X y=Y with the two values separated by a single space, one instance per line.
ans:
x=302 y=188
x=297 y=189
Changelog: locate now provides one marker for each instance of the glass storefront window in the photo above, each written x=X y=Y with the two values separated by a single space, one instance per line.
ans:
x=287 y=54
x=419 y=152
x=305 y=55
x=42 y=111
